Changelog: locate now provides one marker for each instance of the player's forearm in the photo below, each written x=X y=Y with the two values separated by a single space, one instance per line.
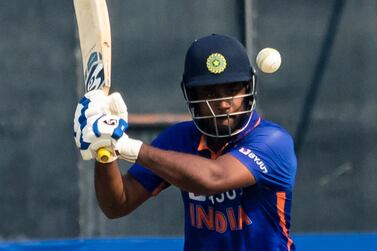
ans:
x=109 y=189
x=186 y=171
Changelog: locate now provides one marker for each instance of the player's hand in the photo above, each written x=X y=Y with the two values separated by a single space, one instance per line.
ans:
x=90 y=108
x=101 y=132
x=127 y=148
x=96 y=102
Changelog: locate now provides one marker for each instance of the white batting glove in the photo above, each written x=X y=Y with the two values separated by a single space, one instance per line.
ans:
x=108 y=131
x=103 y=132
x=91 y=107
x=96 y=102
x=127 y=148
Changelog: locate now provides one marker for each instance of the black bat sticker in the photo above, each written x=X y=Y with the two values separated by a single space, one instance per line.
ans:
x=95 y=76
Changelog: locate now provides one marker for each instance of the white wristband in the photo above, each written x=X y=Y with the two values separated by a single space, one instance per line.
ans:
x=128 y=148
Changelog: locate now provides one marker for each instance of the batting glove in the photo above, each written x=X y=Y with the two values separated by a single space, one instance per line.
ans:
x=108 y=131
x=103 y=132
x=91 y=108
x=127 y=148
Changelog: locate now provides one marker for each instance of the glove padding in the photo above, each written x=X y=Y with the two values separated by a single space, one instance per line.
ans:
x=109 y=131
x=127 y=148
x=93 y=129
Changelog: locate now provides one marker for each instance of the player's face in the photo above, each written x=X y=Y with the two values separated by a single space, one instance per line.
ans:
x=229 y=103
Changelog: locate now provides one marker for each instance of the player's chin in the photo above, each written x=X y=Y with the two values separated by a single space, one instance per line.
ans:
x=221 y=125
x=232 y=123
x=225 y=122
x=224 y=125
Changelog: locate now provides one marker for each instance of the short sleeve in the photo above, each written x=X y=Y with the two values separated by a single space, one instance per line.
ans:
x=173 y=138
x=144 y=176
x=270 y=158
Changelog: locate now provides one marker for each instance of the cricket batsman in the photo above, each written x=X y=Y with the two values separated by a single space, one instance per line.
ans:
x=235 y=170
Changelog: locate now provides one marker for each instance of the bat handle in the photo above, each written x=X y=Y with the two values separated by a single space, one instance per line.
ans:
x=103 y=155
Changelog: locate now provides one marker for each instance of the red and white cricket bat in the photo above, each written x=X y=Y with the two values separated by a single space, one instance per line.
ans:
x=95 y=43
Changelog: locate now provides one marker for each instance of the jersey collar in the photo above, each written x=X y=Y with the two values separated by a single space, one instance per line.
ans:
x=254 y=122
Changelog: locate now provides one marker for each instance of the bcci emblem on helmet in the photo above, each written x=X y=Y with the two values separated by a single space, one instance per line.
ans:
x=216 y=63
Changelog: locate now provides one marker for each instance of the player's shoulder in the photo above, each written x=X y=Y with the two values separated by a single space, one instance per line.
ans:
x=271 y=139
x=271 y=134
x=271 y=148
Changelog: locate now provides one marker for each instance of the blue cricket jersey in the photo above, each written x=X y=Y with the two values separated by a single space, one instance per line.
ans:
x=254 y=218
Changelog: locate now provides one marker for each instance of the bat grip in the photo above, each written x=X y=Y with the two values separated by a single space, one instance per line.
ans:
x=103 y=155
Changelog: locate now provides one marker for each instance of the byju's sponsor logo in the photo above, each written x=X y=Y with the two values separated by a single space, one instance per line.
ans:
x=255 y=158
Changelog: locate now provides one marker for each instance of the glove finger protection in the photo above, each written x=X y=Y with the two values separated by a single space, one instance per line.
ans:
x=117 y=106
x=94 y=103
x=94 y=130
x=103 y=132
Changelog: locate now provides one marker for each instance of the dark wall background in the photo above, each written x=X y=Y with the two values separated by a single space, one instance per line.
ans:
x=38 y=173
x=46 y=190
x=336 y=185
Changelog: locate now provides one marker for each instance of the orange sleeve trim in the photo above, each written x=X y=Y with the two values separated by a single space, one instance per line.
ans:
x=281 y=197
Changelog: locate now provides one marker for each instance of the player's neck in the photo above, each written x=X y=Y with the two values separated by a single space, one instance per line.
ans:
x=216 y=144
